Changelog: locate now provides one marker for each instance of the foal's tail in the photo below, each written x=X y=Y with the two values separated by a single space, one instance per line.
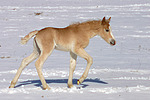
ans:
x=28 y=37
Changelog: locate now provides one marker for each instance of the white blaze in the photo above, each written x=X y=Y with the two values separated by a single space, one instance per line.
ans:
x=111 y=32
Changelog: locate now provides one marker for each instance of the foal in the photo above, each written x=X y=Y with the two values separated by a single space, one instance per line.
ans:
x=73 y=38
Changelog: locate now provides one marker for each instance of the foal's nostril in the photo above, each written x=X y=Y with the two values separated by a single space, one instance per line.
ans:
x=112 y=42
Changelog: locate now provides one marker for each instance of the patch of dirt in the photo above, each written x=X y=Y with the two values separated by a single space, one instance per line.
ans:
x=38 y=13
x=4 y=57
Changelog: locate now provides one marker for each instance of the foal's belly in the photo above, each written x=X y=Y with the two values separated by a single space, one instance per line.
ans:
x=62 y=48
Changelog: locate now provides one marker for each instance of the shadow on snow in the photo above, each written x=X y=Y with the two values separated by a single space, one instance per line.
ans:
x=49 y=81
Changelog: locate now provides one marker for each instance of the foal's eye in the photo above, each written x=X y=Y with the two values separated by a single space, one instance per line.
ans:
x=107 y=30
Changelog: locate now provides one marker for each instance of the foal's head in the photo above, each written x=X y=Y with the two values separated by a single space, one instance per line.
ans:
x=106 y=32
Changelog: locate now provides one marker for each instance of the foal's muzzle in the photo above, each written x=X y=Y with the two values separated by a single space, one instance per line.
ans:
x=112 y=42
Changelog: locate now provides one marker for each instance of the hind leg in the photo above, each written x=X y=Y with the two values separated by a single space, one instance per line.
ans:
x=45 y=52
x=24 y=63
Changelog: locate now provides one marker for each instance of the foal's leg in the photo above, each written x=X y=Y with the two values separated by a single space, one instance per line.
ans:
x=73 y=58
x=82 y=53
x=24 y=63
x=45 y=52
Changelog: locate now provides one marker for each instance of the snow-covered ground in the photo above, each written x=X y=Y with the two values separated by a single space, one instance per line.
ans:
x=120 y=72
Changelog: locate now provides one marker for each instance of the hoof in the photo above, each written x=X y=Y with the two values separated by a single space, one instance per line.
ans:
x=70 y=86
x=78 y=82
x=47 y=88
x=11 y=86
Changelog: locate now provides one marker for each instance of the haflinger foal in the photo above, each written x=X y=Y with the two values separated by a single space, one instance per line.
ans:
x=74 y=39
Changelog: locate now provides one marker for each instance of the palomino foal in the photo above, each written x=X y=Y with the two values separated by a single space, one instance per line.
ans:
x=73 y=38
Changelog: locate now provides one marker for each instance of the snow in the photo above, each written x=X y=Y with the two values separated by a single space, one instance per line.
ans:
x=119 y=72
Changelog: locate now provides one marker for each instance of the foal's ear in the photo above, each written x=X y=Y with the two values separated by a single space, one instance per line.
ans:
x=103 y=21
x=109 y=19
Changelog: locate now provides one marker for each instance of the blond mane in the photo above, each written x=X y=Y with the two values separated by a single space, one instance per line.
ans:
x=89 y=22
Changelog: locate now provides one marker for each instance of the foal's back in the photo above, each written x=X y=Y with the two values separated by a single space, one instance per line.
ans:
x=63 y=38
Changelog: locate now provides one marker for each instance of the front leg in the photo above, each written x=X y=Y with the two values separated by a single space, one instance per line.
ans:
x=73 y=58
x=82 y=53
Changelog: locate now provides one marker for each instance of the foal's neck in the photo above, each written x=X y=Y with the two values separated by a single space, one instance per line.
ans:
x=92 y=34
x=94 y=28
